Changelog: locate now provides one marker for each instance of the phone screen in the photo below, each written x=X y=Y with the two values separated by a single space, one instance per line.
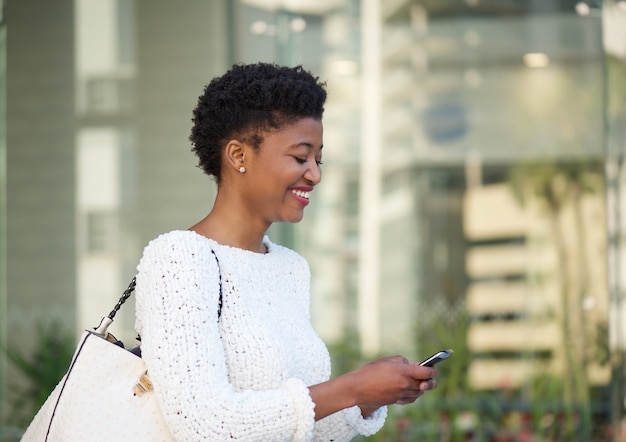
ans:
x=437 y=358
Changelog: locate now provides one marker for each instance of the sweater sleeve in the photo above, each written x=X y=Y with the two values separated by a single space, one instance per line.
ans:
x=346 y=424
x=178 y=289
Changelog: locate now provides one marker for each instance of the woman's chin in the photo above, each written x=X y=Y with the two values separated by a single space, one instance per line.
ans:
x=294 y=218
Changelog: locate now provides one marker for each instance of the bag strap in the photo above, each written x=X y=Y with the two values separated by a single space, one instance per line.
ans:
x=107 y=320
x=129 y=291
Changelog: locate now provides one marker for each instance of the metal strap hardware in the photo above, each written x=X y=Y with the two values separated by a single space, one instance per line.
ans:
x=143 y=385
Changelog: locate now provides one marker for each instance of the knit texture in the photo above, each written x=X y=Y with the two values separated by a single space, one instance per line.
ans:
x=244 y=375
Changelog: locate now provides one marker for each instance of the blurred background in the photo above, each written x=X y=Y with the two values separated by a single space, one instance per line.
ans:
x=473 y=195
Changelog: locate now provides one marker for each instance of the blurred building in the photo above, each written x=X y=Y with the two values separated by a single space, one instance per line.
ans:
x=528 y=301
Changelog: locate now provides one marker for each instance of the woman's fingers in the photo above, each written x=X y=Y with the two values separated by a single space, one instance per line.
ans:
x=421 y=373
x=409 y=399
x=429 y=384
x=422 y=387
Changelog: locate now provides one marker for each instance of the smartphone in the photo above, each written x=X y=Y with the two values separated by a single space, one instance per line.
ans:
x=437 y=358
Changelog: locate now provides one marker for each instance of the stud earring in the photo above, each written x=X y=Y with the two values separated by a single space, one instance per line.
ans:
x=242 y=169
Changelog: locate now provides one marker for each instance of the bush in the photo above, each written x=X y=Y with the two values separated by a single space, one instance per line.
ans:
x=41 y=371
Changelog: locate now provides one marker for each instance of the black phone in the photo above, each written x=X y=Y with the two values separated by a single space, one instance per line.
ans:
x=437 y=358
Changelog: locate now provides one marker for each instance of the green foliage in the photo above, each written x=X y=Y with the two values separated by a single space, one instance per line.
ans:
x=455 y=412
x=534 y=412
x=602 y=349
x=449 y=331
x=554 y=183
x=40 y=369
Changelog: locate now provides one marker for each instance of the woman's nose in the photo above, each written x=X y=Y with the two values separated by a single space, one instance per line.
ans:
x=313 y=173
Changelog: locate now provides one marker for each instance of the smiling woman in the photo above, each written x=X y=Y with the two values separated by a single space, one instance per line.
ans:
x=283 y=167
x=223 y=312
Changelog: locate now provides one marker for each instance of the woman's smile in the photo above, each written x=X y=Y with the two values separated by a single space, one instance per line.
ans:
x=301 y=194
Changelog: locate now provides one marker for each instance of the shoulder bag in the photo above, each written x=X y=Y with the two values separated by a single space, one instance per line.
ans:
x=105 y=395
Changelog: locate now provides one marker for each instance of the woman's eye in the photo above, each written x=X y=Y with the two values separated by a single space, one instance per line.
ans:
x=301 y=160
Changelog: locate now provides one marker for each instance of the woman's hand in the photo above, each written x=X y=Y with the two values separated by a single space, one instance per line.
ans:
x=391 y=380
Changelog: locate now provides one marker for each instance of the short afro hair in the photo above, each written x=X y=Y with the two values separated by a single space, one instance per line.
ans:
x=248 y=100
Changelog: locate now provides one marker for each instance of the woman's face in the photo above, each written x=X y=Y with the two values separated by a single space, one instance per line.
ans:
x=283 y=171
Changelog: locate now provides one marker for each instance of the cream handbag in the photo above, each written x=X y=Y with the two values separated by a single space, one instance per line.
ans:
x=105 y=395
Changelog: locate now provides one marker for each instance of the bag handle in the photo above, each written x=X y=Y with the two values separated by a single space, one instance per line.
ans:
x=101 y=329
x=108 y=320
x=129 y=290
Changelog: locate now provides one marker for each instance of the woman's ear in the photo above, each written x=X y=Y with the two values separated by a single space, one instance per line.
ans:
x=234 y=154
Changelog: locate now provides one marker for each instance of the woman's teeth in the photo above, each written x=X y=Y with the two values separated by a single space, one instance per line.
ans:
x=301 y=193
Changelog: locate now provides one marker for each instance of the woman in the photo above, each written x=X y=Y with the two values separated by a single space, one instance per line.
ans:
x=224 y=313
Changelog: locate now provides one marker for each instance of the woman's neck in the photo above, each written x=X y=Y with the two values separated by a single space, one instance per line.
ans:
x=230 y=232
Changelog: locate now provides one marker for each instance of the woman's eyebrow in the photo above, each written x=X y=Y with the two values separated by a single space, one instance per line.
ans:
x=304 y=144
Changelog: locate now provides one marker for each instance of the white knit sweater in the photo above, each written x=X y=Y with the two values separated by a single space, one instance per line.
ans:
x=244 y=375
